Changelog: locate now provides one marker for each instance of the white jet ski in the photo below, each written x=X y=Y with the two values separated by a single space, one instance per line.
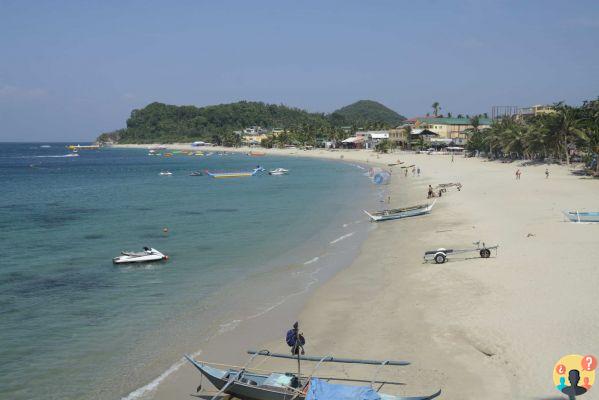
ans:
x=148 y=255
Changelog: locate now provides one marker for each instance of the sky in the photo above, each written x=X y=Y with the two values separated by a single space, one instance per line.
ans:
x=70 y=70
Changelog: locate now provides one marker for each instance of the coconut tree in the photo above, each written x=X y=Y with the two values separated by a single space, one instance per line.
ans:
x=567 y=125
x=436 y=107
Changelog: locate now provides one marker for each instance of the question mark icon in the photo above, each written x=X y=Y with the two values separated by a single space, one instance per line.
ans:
x=560 y=369
x=589 y=363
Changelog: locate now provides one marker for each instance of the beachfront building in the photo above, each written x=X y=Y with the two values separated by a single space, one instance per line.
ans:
x=535 y=110
x=450 y=128
x=399 y=136
x=372 y=138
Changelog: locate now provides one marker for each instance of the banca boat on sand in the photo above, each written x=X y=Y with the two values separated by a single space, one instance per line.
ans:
x=278 y=171
x=148 y=255
x=398 y=213
x=235 y=174
x=245 y=385
x=578 y=216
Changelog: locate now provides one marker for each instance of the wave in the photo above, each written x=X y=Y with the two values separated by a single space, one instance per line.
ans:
x=137 y=393
x=312 y=261
x=340 y=238
x=60 y=156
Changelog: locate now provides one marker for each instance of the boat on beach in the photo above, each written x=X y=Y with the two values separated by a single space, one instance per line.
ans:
x=257 y=153
x=234 y=174
x=244 y=384
x=148 y=255
x=579 y=216
x=278 y=171
x=398 y=213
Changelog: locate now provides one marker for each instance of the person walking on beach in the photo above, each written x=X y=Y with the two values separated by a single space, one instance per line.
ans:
x=451 y=157
x=518 y=174
x=431 y=193
x=418 y=171
x=546 y=173
x=406 y=172
x=413 y=171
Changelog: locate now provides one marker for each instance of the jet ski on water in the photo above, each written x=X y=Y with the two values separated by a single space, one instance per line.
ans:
x=148 y=255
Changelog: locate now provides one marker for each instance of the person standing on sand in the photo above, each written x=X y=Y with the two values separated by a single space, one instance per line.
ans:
x=406 y=173
x=546 y=173
x=518 y=173
x=430 y=192
x=418 y=171
x=451 y=157
x=413 y=171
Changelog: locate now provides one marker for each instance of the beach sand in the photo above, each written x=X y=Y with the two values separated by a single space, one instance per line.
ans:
x=476 y=328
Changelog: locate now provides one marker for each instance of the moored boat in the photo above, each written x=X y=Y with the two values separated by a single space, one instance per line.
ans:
x=278 y=171
x=254 y=153
x=196 y=173
x=582 y=216
x=399 y=213
x=165 y=173
x=234 y=174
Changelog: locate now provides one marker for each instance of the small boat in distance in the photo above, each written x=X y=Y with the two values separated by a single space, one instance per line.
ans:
x=278 y=171
x=578 y=216
x=235 y=174
x=148 y=255
x=399 y=213
x=254 y=153
x=72 y=155
x=196 y=173
x=165 y=173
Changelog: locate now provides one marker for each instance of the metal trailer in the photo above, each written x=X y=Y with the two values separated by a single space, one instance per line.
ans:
x=440 y=255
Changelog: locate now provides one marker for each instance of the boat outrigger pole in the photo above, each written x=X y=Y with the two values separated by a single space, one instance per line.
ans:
x=330 y=359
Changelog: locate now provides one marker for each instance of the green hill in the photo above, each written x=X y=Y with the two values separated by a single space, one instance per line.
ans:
x=163 y=123
x=367 y=112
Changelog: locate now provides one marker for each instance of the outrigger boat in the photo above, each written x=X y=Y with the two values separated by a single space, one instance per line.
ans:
x=439 y=256
x=243 y=384
x=398 y=213
x=577 y=216
x=235 y=174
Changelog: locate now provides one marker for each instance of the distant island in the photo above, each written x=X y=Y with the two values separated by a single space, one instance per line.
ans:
x=223 y=124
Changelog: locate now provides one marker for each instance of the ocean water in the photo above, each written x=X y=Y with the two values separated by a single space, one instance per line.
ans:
x=75 y=326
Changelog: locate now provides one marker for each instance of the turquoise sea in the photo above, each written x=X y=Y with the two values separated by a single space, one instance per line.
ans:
x=75 y=326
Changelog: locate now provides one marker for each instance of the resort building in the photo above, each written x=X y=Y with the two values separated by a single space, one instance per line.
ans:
x=450 y=128
x=535 y=110
x=399 y=135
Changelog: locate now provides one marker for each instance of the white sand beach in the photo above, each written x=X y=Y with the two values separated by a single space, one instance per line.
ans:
x=476 y=328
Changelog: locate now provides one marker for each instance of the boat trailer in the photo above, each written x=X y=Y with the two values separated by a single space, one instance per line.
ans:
x=440 y=255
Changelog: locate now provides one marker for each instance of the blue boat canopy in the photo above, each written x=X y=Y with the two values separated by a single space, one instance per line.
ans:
x=322 y=390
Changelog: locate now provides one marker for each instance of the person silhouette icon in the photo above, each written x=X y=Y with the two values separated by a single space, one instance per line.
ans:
x=586 y=383
x=562 y=383
x=573 y=390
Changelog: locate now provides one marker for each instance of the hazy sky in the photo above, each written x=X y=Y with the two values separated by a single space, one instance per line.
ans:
x=70 y=70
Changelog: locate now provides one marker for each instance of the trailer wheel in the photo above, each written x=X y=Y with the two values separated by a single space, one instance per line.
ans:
x=485 y=253
x=440 y=258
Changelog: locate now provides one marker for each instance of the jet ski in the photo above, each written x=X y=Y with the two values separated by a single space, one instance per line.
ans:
x=148 y=255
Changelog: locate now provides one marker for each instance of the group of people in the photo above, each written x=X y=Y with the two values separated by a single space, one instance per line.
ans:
x=415 y=171
x=431 y=192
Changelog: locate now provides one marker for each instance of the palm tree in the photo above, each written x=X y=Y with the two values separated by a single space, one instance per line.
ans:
x=567 y=127
x=475 y=122
x=436 y=107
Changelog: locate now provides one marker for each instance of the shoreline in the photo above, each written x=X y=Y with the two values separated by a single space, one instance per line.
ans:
x=474 y=328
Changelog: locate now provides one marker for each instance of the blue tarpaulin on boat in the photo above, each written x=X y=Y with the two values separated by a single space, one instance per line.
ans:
x=321 y=390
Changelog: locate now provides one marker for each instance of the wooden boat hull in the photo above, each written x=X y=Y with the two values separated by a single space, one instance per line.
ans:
x=409 y=212
x=240 y=390
x=575 y=216
x=250 y=391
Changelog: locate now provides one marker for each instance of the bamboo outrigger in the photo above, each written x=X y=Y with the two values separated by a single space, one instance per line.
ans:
x=244 y=384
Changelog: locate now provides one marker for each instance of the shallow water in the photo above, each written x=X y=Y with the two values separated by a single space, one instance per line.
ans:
x=73 y=325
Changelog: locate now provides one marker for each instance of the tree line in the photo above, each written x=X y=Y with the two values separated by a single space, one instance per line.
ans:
x=560 y=135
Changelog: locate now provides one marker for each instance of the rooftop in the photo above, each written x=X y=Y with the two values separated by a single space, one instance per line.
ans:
x=453 y=121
